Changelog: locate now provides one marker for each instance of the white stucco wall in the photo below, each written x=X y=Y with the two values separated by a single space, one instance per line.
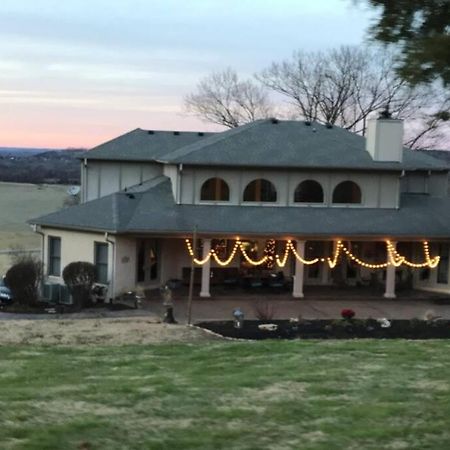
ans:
x=75 y=246
x=100 y=178
x=378 y=189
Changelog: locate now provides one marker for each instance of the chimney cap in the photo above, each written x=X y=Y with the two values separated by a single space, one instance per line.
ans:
x=385 y=114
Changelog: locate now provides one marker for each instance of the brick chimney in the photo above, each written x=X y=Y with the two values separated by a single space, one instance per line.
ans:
x=384 y=140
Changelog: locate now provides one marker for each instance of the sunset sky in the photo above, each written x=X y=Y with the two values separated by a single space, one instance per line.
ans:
x=76 y=72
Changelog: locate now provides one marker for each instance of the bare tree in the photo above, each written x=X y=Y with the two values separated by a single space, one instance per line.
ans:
x=223 y=99
x=343 y=86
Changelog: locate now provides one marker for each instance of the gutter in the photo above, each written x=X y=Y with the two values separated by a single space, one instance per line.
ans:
x=113 y=265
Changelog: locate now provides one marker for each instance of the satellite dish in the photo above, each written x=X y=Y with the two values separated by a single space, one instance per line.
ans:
x=74 y=190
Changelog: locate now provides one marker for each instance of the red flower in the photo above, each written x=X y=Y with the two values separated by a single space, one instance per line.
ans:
x=347 y=313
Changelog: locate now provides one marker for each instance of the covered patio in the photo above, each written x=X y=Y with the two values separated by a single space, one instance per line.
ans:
x=291 y=267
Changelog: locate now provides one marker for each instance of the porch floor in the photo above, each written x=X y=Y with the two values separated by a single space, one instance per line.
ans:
x=320 y=302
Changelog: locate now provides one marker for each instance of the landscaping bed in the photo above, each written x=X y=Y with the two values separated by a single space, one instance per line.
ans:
x=332 y=329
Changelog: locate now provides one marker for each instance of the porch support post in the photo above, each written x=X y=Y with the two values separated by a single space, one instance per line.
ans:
x=297 y=290
x=206 y=269
x=390 y=276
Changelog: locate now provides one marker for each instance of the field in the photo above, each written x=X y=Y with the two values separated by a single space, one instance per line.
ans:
x=19 y=203
x=213 y=394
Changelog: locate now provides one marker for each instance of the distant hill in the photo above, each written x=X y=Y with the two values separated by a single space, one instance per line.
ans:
x=22 y=151
x=40 y=165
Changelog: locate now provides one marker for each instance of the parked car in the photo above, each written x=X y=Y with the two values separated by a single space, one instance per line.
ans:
x=5 y=293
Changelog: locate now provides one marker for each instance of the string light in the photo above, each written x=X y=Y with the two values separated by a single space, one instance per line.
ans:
x=304 y=261
x=394 y=257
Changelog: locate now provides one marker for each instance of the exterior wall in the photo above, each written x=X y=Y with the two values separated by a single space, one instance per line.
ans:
x=75 y=246
x=100 y=178
x=378 y=190
x=424 y=182
x=171 y=171
x=125 y=265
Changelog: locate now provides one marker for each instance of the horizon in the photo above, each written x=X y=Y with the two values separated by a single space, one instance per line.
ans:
x=69 y=79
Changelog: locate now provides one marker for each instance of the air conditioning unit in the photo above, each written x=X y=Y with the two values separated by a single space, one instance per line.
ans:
x=50 y=292
x=56 y=293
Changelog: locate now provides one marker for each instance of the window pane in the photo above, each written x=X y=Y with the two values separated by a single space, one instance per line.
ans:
x=347 y=192
x=309 y=191
x=215 y=189
x=101 y=262
x=260 y=191
x=54 y=256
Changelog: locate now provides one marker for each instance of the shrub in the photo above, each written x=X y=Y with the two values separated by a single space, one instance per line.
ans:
x=79 y=277
x=23 y=280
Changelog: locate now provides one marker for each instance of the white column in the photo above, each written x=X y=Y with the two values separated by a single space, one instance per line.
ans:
x=297 y=290
x=206 y=270
x=390 y=276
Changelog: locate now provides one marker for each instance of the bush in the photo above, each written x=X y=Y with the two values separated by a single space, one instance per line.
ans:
x=23 y=280
x=79 y=278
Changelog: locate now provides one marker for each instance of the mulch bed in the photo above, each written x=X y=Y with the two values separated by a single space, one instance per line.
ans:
x=332 y=329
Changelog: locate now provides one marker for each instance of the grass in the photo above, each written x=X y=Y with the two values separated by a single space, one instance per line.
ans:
x=19 y=203
x=227 y=395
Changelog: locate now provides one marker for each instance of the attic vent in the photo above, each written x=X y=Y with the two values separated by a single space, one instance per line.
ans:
x=176 y=133
x=150 y=132
x=329 y=126
x=200 y=133
x=307 y=123
x=274 y=120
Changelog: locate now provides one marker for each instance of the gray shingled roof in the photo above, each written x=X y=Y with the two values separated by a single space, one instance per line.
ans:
x=288 y=143
x=143 y=145
x=154 y=211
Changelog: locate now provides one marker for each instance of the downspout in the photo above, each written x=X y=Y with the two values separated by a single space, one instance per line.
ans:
x=84 y=182
x=35 y=230
x=399 y=188
x=113 y=265
x=180 y=173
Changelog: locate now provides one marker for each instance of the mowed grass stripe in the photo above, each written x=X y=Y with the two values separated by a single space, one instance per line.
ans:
x=227 y=395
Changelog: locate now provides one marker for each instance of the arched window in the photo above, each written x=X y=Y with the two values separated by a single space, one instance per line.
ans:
x=260 y=191
x=347 y=192
x=308 y=191
x=215 y=189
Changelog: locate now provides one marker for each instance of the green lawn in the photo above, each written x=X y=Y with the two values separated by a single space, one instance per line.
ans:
x=227 y=395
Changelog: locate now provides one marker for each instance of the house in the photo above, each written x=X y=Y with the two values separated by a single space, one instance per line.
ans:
x=311 y=203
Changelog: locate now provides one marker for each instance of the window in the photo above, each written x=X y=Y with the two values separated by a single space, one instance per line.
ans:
x=215 y=189
x=54 y=256
x=442 y=274
x=308 y=191
x=260 y=191
x=101 y=261
x=347 y=192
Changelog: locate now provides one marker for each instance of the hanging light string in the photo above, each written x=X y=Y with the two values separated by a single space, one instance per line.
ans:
x=429 y=261
x=394 y=258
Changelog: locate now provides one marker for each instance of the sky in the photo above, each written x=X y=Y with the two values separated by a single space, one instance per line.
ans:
x=76 y=73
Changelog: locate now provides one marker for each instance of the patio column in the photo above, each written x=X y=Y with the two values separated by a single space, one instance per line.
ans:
x=206 y=270
x=390 y=277
x=297 y=290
